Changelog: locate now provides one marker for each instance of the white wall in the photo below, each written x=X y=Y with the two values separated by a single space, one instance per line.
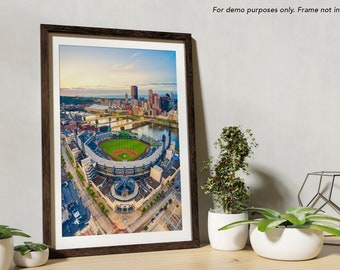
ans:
x=276 y=74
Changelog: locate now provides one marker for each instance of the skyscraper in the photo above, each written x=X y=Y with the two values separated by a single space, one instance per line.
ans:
x=150 y=93
x=134 y=92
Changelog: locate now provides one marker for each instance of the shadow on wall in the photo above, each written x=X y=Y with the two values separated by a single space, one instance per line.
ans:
x=267 y=190
x=204 y=202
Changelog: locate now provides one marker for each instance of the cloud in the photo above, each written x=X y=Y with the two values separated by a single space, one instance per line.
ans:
x=123 y=67
x=136 y=54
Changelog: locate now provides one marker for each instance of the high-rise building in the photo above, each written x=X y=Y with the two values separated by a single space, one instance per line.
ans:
x=165 y=103
x=155 y=101
x=150 y=93
x=134 y=92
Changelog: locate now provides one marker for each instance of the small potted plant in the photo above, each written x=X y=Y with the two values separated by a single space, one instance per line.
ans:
x=6 y=244
x=31 y=254
x=229 y=192
x=296 y=234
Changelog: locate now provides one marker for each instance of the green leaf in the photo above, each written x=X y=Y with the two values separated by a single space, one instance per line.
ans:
x=27 y=247
x=268 y=213
x=266 y=225
x=316 y=217
x=323 y=226
x=20 y=233
x=238 y=223
x=7 y=232
x=295 y=219
x=305 y=210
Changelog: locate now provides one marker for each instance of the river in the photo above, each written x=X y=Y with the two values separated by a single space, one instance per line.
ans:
x=157 y=131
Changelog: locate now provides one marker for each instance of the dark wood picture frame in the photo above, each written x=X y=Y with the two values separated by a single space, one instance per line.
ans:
x=50 y=132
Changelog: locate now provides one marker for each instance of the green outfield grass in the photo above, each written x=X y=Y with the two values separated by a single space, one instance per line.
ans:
x=124 y=149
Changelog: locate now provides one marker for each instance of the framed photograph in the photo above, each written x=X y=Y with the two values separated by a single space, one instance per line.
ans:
x=118 y=141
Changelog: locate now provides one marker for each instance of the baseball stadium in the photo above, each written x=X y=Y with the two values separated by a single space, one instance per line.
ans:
x=126 y=169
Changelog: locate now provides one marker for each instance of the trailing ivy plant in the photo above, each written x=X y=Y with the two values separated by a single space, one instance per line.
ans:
x=28 y=247
x=296 y=217
x=226 y=185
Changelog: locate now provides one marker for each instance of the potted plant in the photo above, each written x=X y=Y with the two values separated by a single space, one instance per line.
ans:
x=296 y=234
x=229 y=192
x=6 y=245
x=31 y=254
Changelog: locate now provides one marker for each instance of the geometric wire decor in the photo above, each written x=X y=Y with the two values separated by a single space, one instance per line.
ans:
x=321 y=190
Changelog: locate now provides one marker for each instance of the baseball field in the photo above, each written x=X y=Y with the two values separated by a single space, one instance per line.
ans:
x=124 y=149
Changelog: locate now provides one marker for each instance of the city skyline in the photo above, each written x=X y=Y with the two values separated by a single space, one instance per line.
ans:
x=92 y=70
x=119 y=93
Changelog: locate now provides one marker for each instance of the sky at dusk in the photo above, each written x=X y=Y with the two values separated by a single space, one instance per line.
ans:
x=85 y=69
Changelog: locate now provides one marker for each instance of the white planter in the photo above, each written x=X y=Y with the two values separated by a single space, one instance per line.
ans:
x=6 y=253
x=32 y=259
x=286 y=243
x=232 y=239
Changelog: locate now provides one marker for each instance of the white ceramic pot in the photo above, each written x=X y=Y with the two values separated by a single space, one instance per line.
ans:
x=290 y=244
x=32 y=259
x=232 y=239
x=6 y=253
